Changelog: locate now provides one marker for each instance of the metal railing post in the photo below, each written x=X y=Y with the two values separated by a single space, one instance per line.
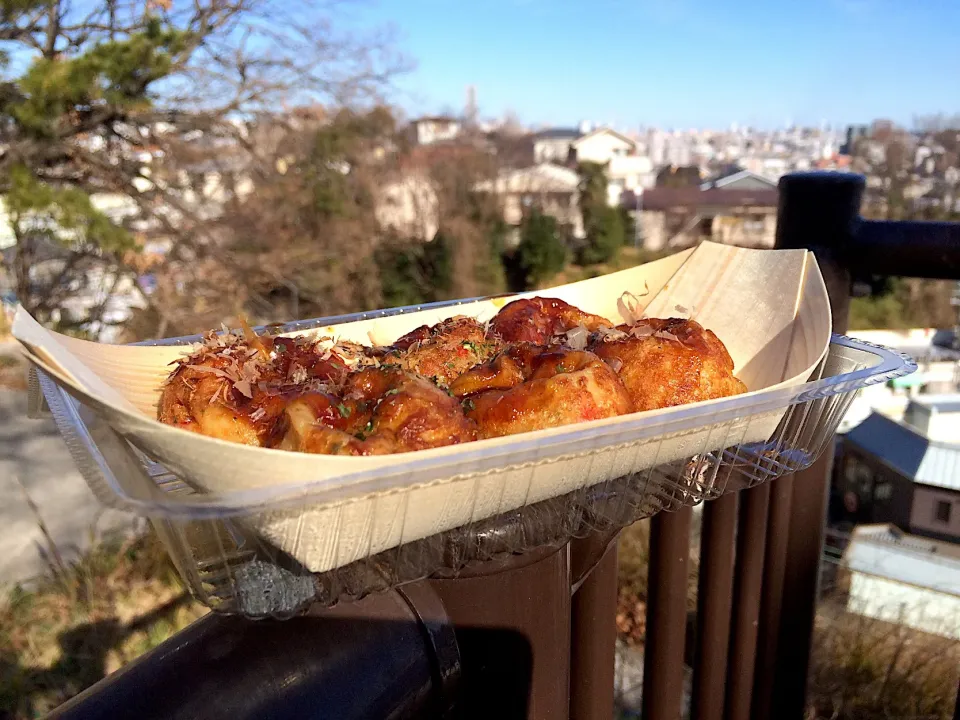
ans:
x=593 y=630
x=714 y=606
x=821 y=212
x=513 y=631
x=751 y=531
x=818 y=212
x=771 y=595
x=666 y=614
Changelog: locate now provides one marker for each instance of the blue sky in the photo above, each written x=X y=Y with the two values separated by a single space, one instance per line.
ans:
x=680 y=63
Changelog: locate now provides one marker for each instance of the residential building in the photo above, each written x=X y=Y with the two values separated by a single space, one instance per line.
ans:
x=430 y=130
x=838 y=162
x=601 y=146
x=771 y=166
x=629 y=173
x=936 y=416
x=554 y=189
x=685 y=216
x=890 y=472
x=904 y=579
x=409 y=206
x=938 y=372
x=626 y=169
x=740 y=180
x=553 y=145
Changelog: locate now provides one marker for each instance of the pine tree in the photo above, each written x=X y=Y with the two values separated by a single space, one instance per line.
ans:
x=142 y=102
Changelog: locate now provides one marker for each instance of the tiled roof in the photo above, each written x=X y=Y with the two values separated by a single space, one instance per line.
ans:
x=663 y=198
x=908 y=451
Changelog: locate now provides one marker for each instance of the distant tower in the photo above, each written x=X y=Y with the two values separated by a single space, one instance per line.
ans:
x=470 y=111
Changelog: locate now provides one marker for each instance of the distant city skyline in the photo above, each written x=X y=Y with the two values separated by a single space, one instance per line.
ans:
x=678 y=64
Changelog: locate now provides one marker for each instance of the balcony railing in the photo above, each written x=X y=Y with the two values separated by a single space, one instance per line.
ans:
x=534 y=636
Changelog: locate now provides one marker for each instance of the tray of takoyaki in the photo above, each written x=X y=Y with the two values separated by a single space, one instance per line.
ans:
x=338 y=439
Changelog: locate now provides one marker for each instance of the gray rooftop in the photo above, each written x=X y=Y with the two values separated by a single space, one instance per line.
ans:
x=559 y=134
x=941 y=403
x=883 y=551
x=909 y=452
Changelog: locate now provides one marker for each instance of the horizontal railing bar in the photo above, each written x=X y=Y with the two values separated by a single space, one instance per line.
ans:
x=905 y=249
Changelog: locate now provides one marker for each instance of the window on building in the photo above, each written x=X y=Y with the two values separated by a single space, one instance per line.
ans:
x=753 y=223
x=850 y=470
x=883 y=490
x=864 y=479
x=941 y=511
x=859 y=476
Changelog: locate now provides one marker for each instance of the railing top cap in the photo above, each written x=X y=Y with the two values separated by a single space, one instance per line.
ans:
x=823 y=178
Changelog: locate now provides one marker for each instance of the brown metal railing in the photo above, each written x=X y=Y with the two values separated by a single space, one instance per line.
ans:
x=765 y=595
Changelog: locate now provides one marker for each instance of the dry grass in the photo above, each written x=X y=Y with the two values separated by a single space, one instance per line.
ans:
x=863 y=668
x=84 y=621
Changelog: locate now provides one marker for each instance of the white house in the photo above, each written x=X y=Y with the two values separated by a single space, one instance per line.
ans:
x=904 y=579
x=429 y=130
x=626 y=168
x=633 y=173
x=551 y=188
x=602 y=145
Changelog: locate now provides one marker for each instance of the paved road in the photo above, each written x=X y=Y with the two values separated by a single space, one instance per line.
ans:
x=33 y=452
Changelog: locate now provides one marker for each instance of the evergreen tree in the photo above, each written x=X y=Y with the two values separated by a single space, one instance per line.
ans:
x=593 y=188
x=541 y=253
x=413 y=272
x=605 y=237
x=604 y=225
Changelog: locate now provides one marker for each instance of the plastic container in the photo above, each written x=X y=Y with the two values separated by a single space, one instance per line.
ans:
x=222 y=547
